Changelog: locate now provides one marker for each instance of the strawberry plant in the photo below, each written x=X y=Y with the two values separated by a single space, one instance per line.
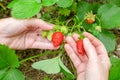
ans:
x=69 y=16
x=9 y=65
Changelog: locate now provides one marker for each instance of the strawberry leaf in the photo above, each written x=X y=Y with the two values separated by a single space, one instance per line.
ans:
x=115 y=68
x=53 y=66
x=50 y=66
x=108 y=40
x=25 y=8
x=13 y=74
x=48 y=3
x=8 y=58
x=3 y=73
x=82 y=9
x=114 y=2
x=12 y=3
x=110 y=18
x=103 y=9
x=65 y=70
x=64 y=3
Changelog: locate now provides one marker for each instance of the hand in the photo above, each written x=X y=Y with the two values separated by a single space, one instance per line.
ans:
x=95 y=64
x=24 y=34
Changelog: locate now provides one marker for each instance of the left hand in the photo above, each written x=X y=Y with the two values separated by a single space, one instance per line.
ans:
x=24 y=34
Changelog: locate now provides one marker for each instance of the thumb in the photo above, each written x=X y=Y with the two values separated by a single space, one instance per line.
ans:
x=41 y=24
x=90 y=49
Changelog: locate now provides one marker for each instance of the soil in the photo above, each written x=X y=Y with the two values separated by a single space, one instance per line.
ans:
x=32 y=74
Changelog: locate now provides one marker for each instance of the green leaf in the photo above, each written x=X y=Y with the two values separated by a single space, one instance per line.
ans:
x=65 y=70
x=114 y=2
x=64 y=12
x=50 y=66
x=64 y=3
x=108 y=40
x=49 y=35
x=3 y=73
x=95 y=7
x=39 y=1
x=93 y=30
x=14 y=74
x=8 y=58
x=104 y=8
x=82 y=9
x=12 y=3
x=53 y=66
x=25 y=8
x=48 y=3
x=115 y=68
x=111 y=18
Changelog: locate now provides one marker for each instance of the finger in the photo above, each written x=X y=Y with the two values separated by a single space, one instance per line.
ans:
x=97 y=43
x=81 y=76
x=75 y=59
x=75 y=36
x=72 y=43
x=90 y=49
x=40 y=23
x=43 y=45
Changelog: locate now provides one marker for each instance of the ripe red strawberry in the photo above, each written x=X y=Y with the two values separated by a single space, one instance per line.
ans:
x=80 y=48
x=57 y=38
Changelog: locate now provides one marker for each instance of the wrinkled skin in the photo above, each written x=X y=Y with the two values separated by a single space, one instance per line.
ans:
x=95 y=64
x=24 y=34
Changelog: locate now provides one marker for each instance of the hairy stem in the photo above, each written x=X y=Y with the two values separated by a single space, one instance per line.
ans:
x=38 y=55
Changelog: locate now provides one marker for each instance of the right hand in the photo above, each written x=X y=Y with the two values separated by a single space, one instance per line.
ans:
x=95 y=65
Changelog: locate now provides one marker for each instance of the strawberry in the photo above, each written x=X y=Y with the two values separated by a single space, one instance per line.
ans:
x=90 y=18
x=57 y=38
x=89 y=21
x=80 y=48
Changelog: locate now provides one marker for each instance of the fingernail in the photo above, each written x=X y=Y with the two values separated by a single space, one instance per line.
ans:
x=68 y=39
x=86 y=40
x=76 y=36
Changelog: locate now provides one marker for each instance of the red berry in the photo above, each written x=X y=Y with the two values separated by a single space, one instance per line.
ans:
x=89 y=21
x=57 y=38
x=80 y=48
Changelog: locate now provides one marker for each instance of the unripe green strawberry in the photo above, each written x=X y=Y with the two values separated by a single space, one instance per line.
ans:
x=98 y=28
x=90 y=18
x=49 y=36
x=44 y=33
x=57 y=28
x=69 y=34
x=64 y=29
